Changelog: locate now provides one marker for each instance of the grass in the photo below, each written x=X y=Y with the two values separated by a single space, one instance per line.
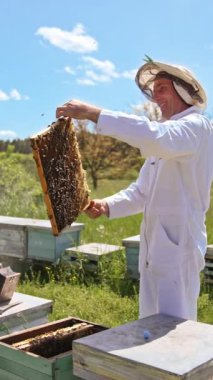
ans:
x=99 y=304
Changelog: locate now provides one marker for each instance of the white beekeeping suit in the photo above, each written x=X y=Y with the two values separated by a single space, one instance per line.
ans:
x=173 y=192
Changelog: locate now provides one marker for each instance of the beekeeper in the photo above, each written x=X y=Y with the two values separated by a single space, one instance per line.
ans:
x=172 y=189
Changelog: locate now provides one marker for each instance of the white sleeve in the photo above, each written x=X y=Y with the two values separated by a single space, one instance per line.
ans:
x=169 y=139
x=131 y=200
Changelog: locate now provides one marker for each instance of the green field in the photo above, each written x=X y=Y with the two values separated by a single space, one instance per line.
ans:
x=109 y=298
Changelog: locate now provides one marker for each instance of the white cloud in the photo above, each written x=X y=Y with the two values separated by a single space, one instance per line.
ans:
x=69 y=70
x=98 y=71
x=13 y=95
x=75 y=40
x=107 y=67
x=3 y=96
x=129 y=74
x=85 y=81
x=97 y=77
x=8 y=135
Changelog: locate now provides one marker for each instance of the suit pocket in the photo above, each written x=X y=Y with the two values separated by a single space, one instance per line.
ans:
x=165 y=256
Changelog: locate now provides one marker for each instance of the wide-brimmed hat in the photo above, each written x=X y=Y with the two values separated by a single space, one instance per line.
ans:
x=184 y=81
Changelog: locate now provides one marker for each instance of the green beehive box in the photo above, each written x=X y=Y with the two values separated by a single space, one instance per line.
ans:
x=131 y=245
x=17 y=363
x=44 y=246
x=25 y=239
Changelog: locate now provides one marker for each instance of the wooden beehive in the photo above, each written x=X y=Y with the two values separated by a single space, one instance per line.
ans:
x=60 y=170
x=159 y=347
x=43 y=352
x=25 y=239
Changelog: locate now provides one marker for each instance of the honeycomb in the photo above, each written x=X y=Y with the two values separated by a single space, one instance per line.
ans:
x=62 y=177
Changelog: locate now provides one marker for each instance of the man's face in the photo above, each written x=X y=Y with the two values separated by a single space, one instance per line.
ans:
x=167 y=98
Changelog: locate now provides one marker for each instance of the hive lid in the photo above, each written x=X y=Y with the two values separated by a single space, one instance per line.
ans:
x=164 y=346
x=8 y=283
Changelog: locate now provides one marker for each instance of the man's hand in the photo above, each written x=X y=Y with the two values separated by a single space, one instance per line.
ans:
x=97 y=208
x=78 y=110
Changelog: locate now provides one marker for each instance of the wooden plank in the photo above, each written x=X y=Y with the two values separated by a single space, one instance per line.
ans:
x=44 y=186
x=65 y=375
x=25 y=358
x=93 y=251
x=177 y=349
x=148 y=374
x=13 y=242
x=93 y=365
x=12 y=234
x=10 y=222
x=64 y=367
x=5 y=375
x=23 y=371
x=88 y=375
x=63 y=361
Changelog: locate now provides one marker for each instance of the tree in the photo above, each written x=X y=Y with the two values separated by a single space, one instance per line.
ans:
x=149 y=109
x=20 y=146
x=104 y=157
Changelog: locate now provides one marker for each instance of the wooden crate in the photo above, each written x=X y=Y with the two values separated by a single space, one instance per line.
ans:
x=159 y=347
x=19 y=364
x=23 y=239
x=93 y=253
x=131 y=245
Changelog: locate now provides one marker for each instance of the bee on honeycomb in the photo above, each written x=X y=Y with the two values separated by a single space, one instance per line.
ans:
x=61 y=174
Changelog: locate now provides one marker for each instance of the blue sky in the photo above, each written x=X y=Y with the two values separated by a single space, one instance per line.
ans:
x=53 y=51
